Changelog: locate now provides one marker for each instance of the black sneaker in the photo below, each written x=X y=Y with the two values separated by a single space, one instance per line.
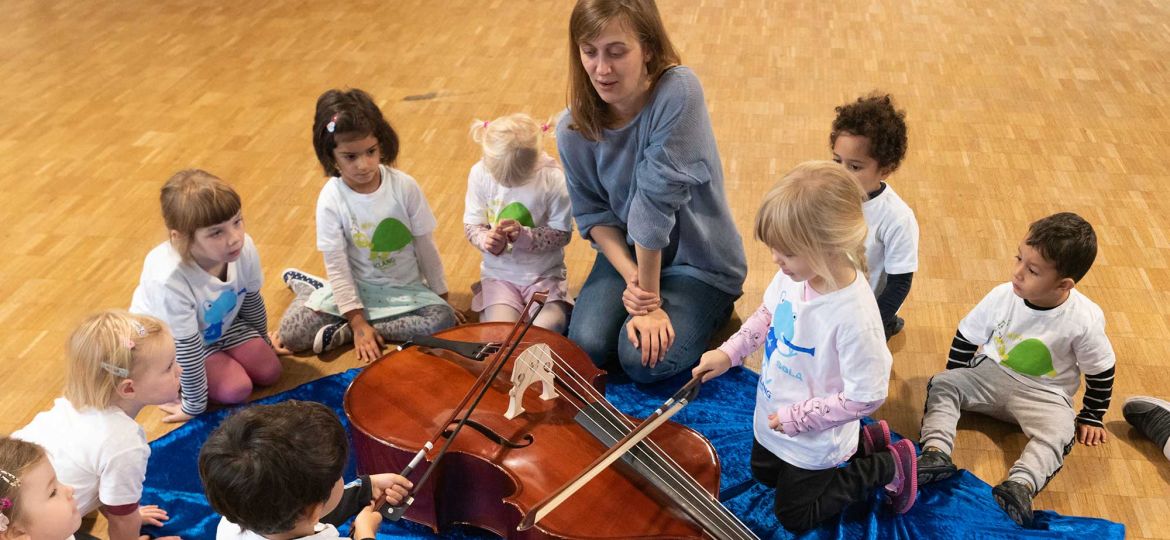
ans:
x=894 y=327
x=332 y=336
x=1151 y=416
x=1016 y=499
x=935 y=465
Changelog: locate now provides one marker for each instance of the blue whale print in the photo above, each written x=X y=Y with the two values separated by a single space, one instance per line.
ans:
x=215 y=312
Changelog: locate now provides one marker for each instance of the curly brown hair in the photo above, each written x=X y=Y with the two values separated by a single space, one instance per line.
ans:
x=875 y=118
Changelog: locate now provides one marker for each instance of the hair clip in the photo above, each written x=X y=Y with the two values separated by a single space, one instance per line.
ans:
x=485 y=124
x=115 y=370
x=332 y=125
x=544 y=127
x=138 y=328
x=12 y=482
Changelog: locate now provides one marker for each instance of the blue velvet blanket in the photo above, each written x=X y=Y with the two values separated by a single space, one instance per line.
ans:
x=960 y=507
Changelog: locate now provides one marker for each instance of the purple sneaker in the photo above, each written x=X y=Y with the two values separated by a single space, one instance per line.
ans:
x=903 y=489
x=875 y=438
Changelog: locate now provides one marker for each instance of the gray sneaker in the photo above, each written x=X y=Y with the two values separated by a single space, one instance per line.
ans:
x=1151 y=416
x=332 y=336
x=935 y=465
x=1016 y=500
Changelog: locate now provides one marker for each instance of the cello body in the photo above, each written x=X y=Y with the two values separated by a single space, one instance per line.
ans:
x=397 y=404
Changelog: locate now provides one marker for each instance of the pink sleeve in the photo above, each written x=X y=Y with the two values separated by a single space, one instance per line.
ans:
x=819 y=414
x=541 y=239
x=341 y=279
x=750 y=336
x=477 y=235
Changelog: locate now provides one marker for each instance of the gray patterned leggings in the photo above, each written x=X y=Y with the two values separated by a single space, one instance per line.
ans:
x=300 y=324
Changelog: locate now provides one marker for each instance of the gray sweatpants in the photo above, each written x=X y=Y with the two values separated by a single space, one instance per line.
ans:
x=1046 y=417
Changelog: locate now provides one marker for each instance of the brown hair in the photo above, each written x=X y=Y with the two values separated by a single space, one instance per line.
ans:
x=100 y=354
x=815 y=212
x=264 y=465
x=590 y=114
x=192 y=199
x=16 y=458
x=1067 y=241
x=350 y=112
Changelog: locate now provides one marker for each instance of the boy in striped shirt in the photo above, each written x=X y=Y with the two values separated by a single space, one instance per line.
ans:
x=1039 y=335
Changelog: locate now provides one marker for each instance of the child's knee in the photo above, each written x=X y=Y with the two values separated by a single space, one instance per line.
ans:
x=230 y=392
x=795 y=519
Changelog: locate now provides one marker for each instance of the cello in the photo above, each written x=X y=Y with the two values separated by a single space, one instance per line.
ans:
x=524 y=445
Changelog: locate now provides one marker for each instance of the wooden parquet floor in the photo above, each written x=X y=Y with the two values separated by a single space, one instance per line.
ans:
x=1016 y=110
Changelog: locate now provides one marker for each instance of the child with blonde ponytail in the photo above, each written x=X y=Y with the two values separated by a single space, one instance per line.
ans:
x=826 y=363
x=517 y=214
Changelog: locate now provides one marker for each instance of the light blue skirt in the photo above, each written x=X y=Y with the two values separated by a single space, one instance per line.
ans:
x=380 y=301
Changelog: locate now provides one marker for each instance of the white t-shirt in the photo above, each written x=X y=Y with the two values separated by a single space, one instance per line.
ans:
x=377 y=229
x=833 y=343
x=102 y=454
x=1046 y=349
x=891 y=246
x=542 y=202
x=190 y=300
x=227 y=530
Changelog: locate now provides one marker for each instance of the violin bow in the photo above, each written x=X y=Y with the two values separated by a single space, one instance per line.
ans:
x=680 y=399
x=394 y=513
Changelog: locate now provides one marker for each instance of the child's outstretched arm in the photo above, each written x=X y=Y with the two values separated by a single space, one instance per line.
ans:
x=749 y=338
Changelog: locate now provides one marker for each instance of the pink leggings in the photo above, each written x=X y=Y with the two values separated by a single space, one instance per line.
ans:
x=232 y=373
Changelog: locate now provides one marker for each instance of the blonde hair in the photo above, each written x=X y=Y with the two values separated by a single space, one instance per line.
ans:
x=193 y=199
x=511 y=147
x=590 y=113
x=815 y=212
x=103 y=351
x=16 y=458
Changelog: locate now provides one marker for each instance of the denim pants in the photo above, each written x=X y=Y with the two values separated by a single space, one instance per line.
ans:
x=598 y=325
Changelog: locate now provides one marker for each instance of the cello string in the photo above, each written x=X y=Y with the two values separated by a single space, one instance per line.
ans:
x=679 y=481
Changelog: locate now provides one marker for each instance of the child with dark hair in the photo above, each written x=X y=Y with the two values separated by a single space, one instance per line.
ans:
x=375 y=231
x=869 y=138
x=1039 y=336
x=276 y=470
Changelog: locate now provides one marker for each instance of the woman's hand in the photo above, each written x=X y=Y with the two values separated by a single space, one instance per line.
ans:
x=366 y=340
x=175 y=414
x=639 y=301
x=277 y=343
x=653 y=334
x=713 y=364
